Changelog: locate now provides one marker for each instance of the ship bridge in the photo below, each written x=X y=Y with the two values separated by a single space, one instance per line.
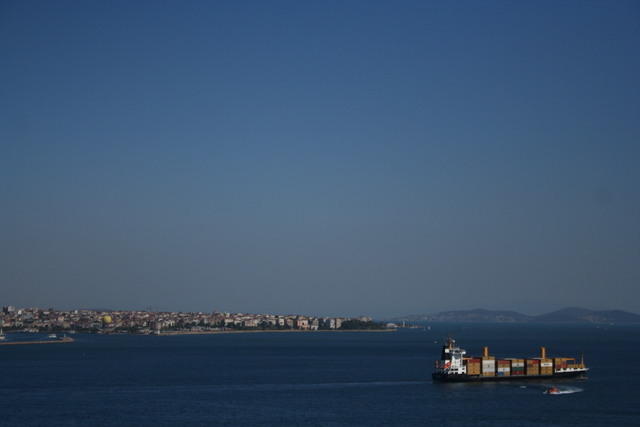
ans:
x=452 y=359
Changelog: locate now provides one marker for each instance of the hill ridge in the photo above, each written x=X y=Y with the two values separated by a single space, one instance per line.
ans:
x=563 y=315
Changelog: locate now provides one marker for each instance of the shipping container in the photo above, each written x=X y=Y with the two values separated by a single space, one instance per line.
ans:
x=473 y=369
x=533 y=367
x=561 y=363
x=473 y=366
x=546 y=366
x=488 y=367
x=504 y=365
x=515 y=363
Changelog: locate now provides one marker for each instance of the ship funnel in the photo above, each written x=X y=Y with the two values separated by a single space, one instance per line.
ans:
x=543 y=352
x=485 y=351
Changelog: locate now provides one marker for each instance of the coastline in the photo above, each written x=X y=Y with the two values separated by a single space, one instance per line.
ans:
x=251 y=331
x=56 y=341
x=221 y=332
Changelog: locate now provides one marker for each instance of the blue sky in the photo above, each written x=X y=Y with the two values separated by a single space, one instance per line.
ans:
x=329 y=158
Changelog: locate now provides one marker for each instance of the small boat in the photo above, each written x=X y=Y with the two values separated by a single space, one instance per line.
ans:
x=2 y=335
x=552 y=390
x=53 y=336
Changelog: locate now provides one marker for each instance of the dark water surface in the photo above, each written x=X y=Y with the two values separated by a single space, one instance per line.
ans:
x=323 y=379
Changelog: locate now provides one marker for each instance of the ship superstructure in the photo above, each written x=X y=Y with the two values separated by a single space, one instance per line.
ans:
x=454 y=365
x=452 y=360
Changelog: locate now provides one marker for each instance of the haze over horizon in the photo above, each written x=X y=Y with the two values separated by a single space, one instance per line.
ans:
x=331 y=158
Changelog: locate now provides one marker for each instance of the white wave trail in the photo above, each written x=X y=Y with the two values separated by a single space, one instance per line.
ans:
x=567 y=390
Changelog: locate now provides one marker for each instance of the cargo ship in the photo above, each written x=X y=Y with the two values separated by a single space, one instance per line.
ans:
x=455 y=366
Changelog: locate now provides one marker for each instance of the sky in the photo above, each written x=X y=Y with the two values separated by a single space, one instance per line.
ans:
x=330 y=158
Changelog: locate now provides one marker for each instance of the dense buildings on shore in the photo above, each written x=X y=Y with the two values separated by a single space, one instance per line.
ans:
x=147 y=322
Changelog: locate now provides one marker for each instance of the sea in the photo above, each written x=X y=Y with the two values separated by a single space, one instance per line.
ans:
x=315 y=379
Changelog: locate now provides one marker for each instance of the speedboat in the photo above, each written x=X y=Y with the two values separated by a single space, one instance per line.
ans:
x=552 y=390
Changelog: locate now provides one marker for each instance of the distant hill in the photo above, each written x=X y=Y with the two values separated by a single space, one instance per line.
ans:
x=569 y=314
x=477 y=315
x=577 y=314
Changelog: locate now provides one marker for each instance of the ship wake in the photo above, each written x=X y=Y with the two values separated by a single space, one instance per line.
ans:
x=567 y=390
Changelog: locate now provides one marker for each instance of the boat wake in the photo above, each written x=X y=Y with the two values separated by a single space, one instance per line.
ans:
x=564 y=390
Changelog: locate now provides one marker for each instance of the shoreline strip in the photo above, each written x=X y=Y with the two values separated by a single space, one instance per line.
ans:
x=57 y=341
x=174 y=333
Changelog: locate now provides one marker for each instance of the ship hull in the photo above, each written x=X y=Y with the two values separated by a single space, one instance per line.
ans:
x=460 y=378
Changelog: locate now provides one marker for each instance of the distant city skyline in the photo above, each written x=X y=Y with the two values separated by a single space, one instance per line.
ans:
x=145 y=322
x=325 y=158
x=439 y=314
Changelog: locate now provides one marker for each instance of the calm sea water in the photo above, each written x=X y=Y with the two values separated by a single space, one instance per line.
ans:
x=317 y=379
